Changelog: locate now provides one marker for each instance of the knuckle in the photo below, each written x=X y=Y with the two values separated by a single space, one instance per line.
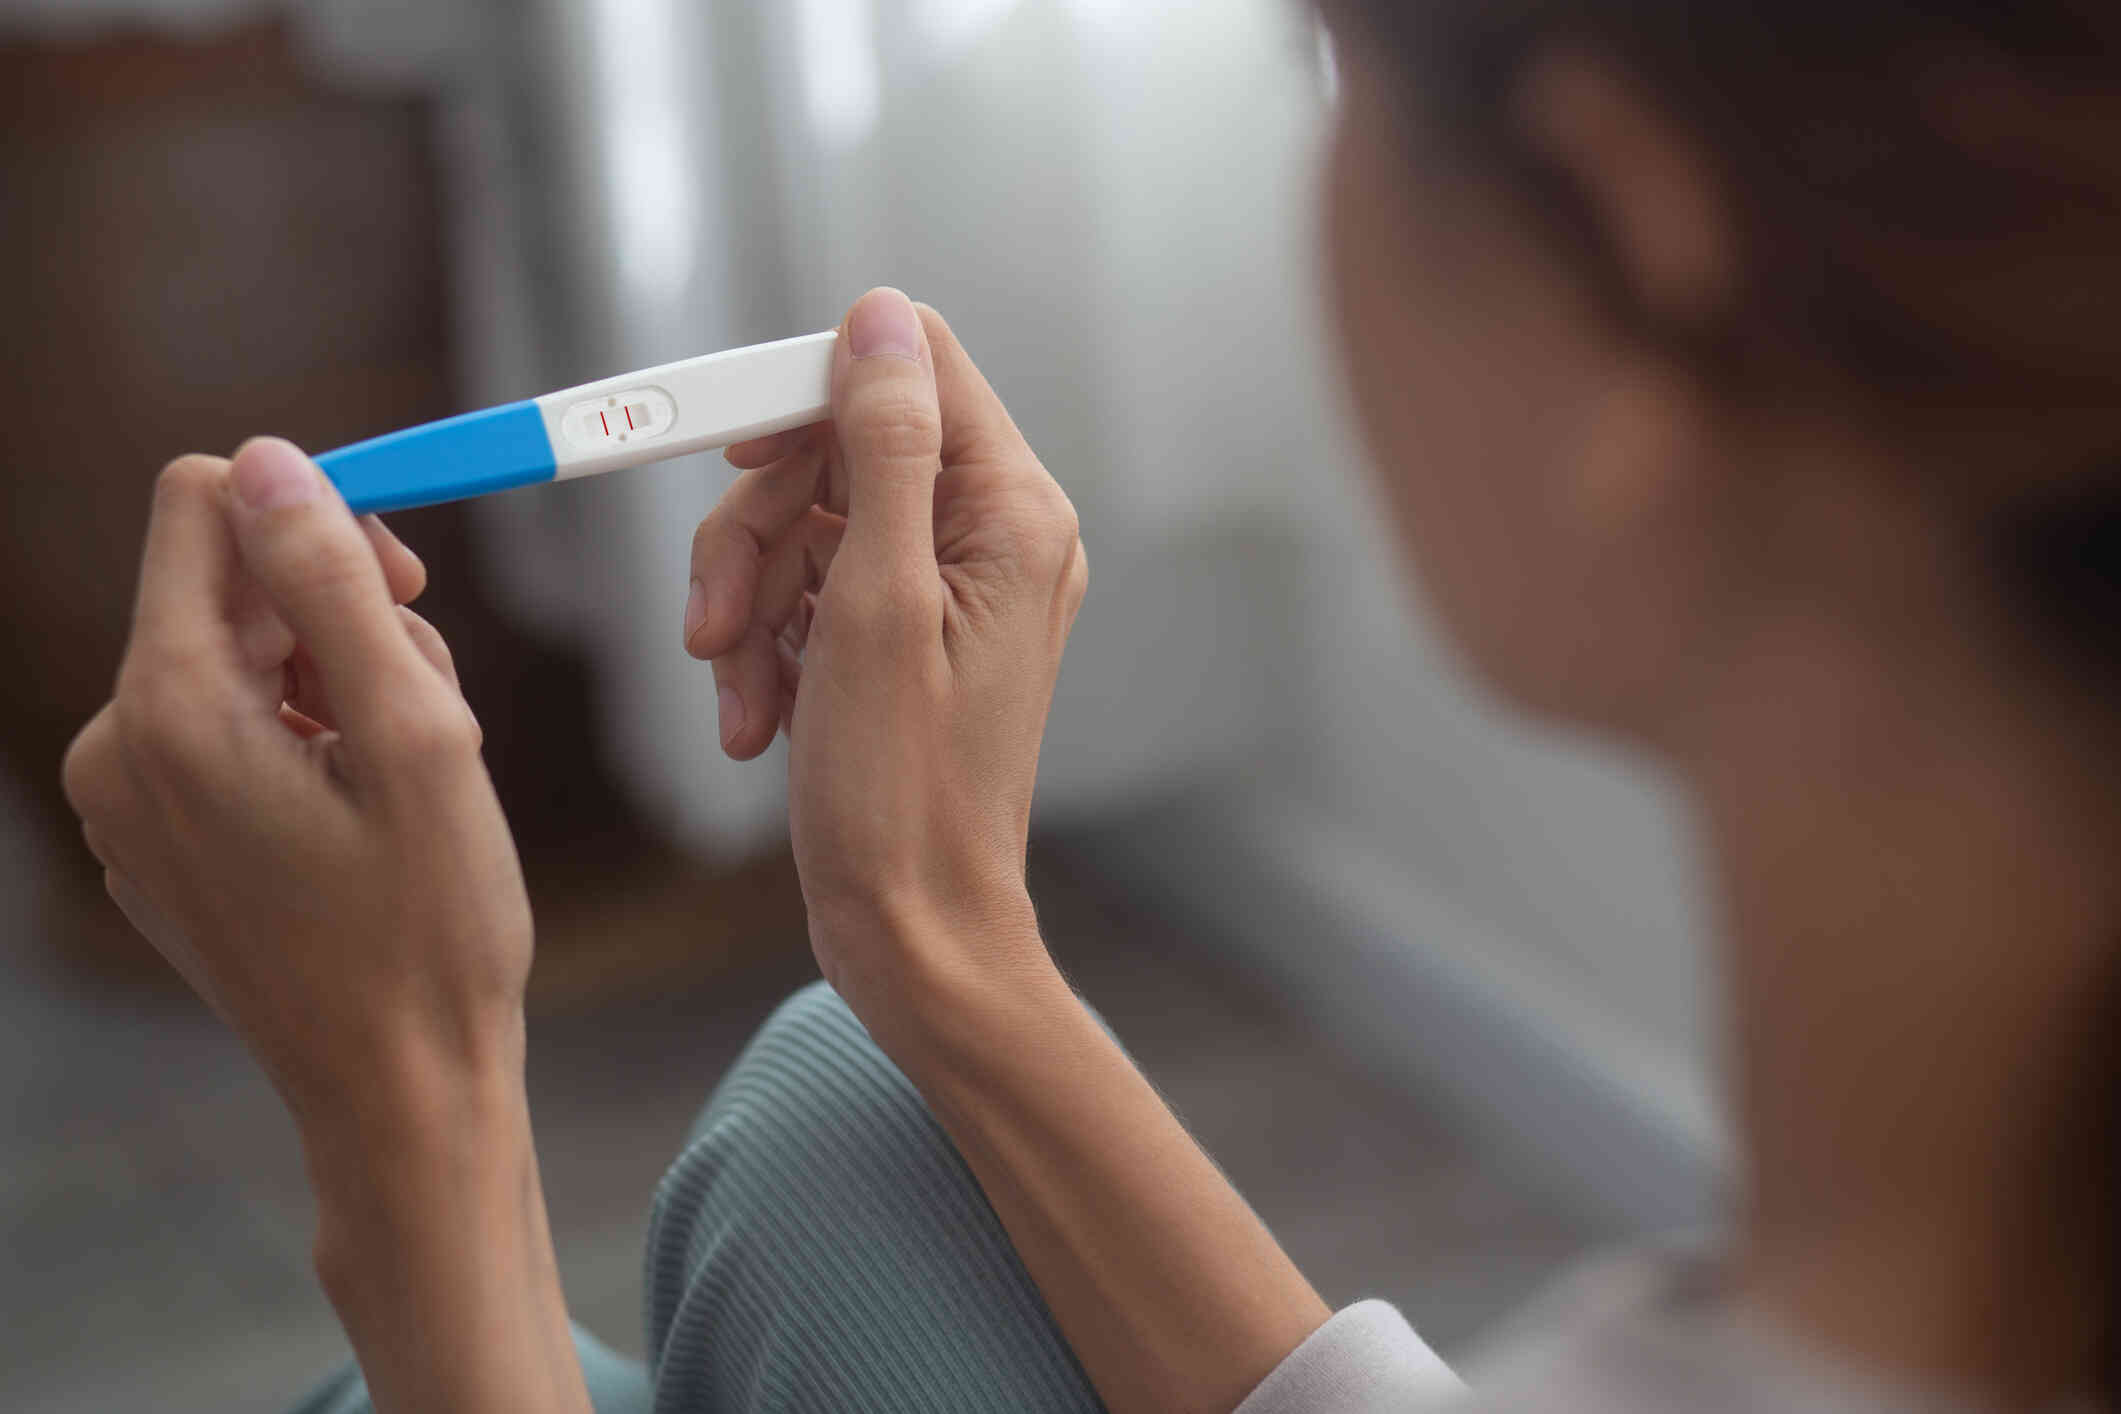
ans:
x=328 y=563
x=77 y=777
x=428 y=640
x=429 y=735
x=1078 y=580
x=895 y=423
x=1066 y=525
x=85 y=772
x=162 y=744
x=718 y=537
x=156 y=701
x=706 y=536
x=307 y=548
x=1046 y=541
x=703 y=539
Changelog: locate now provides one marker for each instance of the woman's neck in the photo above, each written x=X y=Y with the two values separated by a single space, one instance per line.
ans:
x=1916 y=884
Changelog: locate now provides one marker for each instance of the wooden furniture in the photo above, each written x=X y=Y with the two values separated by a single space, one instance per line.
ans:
x=201 y=241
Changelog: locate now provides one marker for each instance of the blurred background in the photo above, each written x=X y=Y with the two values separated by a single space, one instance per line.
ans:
x=1421 y=980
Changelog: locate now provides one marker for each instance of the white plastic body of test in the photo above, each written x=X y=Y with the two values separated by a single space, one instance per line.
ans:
x=691 y=405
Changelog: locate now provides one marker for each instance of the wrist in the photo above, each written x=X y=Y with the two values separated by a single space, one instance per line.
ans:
x=439 y=1174
x=968 y=1026
x=396 y=1068
x=432 y=1245
x=936 y=983
x=991 y=1044
x=423 y=1127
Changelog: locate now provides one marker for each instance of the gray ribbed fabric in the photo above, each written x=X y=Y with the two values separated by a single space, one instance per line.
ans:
x=821 y=1248
x=616 y=1385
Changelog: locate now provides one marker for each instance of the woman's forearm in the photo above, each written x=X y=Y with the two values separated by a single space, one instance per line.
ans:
x=288 y=799
x=1171 y=1291
x=913 y=680
x=434 y=1247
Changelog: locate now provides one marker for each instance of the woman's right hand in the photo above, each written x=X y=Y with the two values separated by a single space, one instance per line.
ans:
x=895 y=588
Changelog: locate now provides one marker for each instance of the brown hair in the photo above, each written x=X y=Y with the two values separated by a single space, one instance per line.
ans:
x=1928 y=200
x=1929 y=205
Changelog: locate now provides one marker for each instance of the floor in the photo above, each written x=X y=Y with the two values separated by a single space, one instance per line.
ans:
x=154 y=1223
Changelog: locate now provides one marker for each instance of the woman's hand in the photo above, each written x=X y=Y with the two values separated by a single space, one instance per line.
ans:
x=895 y=588
x=287 y=797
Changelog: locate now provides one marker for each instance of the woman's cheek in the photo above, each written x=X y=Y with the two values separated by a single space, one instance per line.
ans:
x=1394 y=355
x=1449 y=383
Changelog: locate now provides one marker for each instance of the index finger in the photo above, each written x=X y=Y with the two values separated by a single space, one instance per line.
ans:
x=732 y=541
x=188 y=565
x=976 y=424
x=307 y=553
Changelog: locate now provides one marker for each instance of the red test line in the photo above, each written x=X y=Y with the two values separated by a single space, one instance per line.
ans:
x=607 y=423
x=629 y=417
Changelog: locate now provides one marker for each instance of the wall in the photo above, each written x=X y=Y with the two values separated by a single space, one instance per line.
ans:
x=1113 y=204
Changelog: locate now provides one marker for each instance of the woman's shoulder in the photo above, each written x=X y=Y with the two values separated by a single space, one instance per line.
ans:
x=1366 y=1357
x=1649 y=1330
x=1659 y=1330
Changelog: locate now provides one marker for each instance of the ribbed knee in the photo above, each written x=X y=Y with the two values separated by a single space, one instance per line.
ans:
x=820 y=1244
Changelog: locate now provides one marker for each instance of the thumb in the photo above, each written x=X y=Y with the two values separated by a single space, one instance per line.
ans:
x=319 y=571
x=890 y=430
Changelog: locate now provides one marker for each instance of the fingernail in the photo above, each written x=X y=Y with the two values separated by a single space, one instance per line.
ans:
x=695 y=611
x=732 y=710
x=884 y=324
x=269 y=472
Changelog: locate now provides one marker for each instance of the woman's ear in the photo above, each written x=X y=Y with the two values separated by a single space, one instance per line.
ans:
x=1649 y=186
x=1661 y=212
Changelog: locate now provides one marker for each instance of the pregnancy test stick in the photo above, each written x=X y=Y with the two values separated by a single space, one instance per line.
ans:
x=710 y=401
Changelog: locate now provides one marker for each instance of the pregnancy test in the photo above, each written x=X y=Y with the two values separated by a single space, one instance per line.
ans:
x=666 y=411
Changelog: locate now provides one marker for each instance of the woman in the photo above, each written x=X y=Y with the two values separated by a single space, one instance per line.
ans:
x=1740 y=378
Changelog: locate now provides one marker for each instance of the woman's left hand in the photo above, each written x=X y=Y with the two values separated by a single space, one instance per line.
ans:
x=288 y=800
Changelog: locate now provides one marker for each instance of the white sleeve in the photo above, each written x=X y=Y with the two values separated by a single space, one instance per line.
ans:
x=1366 y=1358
